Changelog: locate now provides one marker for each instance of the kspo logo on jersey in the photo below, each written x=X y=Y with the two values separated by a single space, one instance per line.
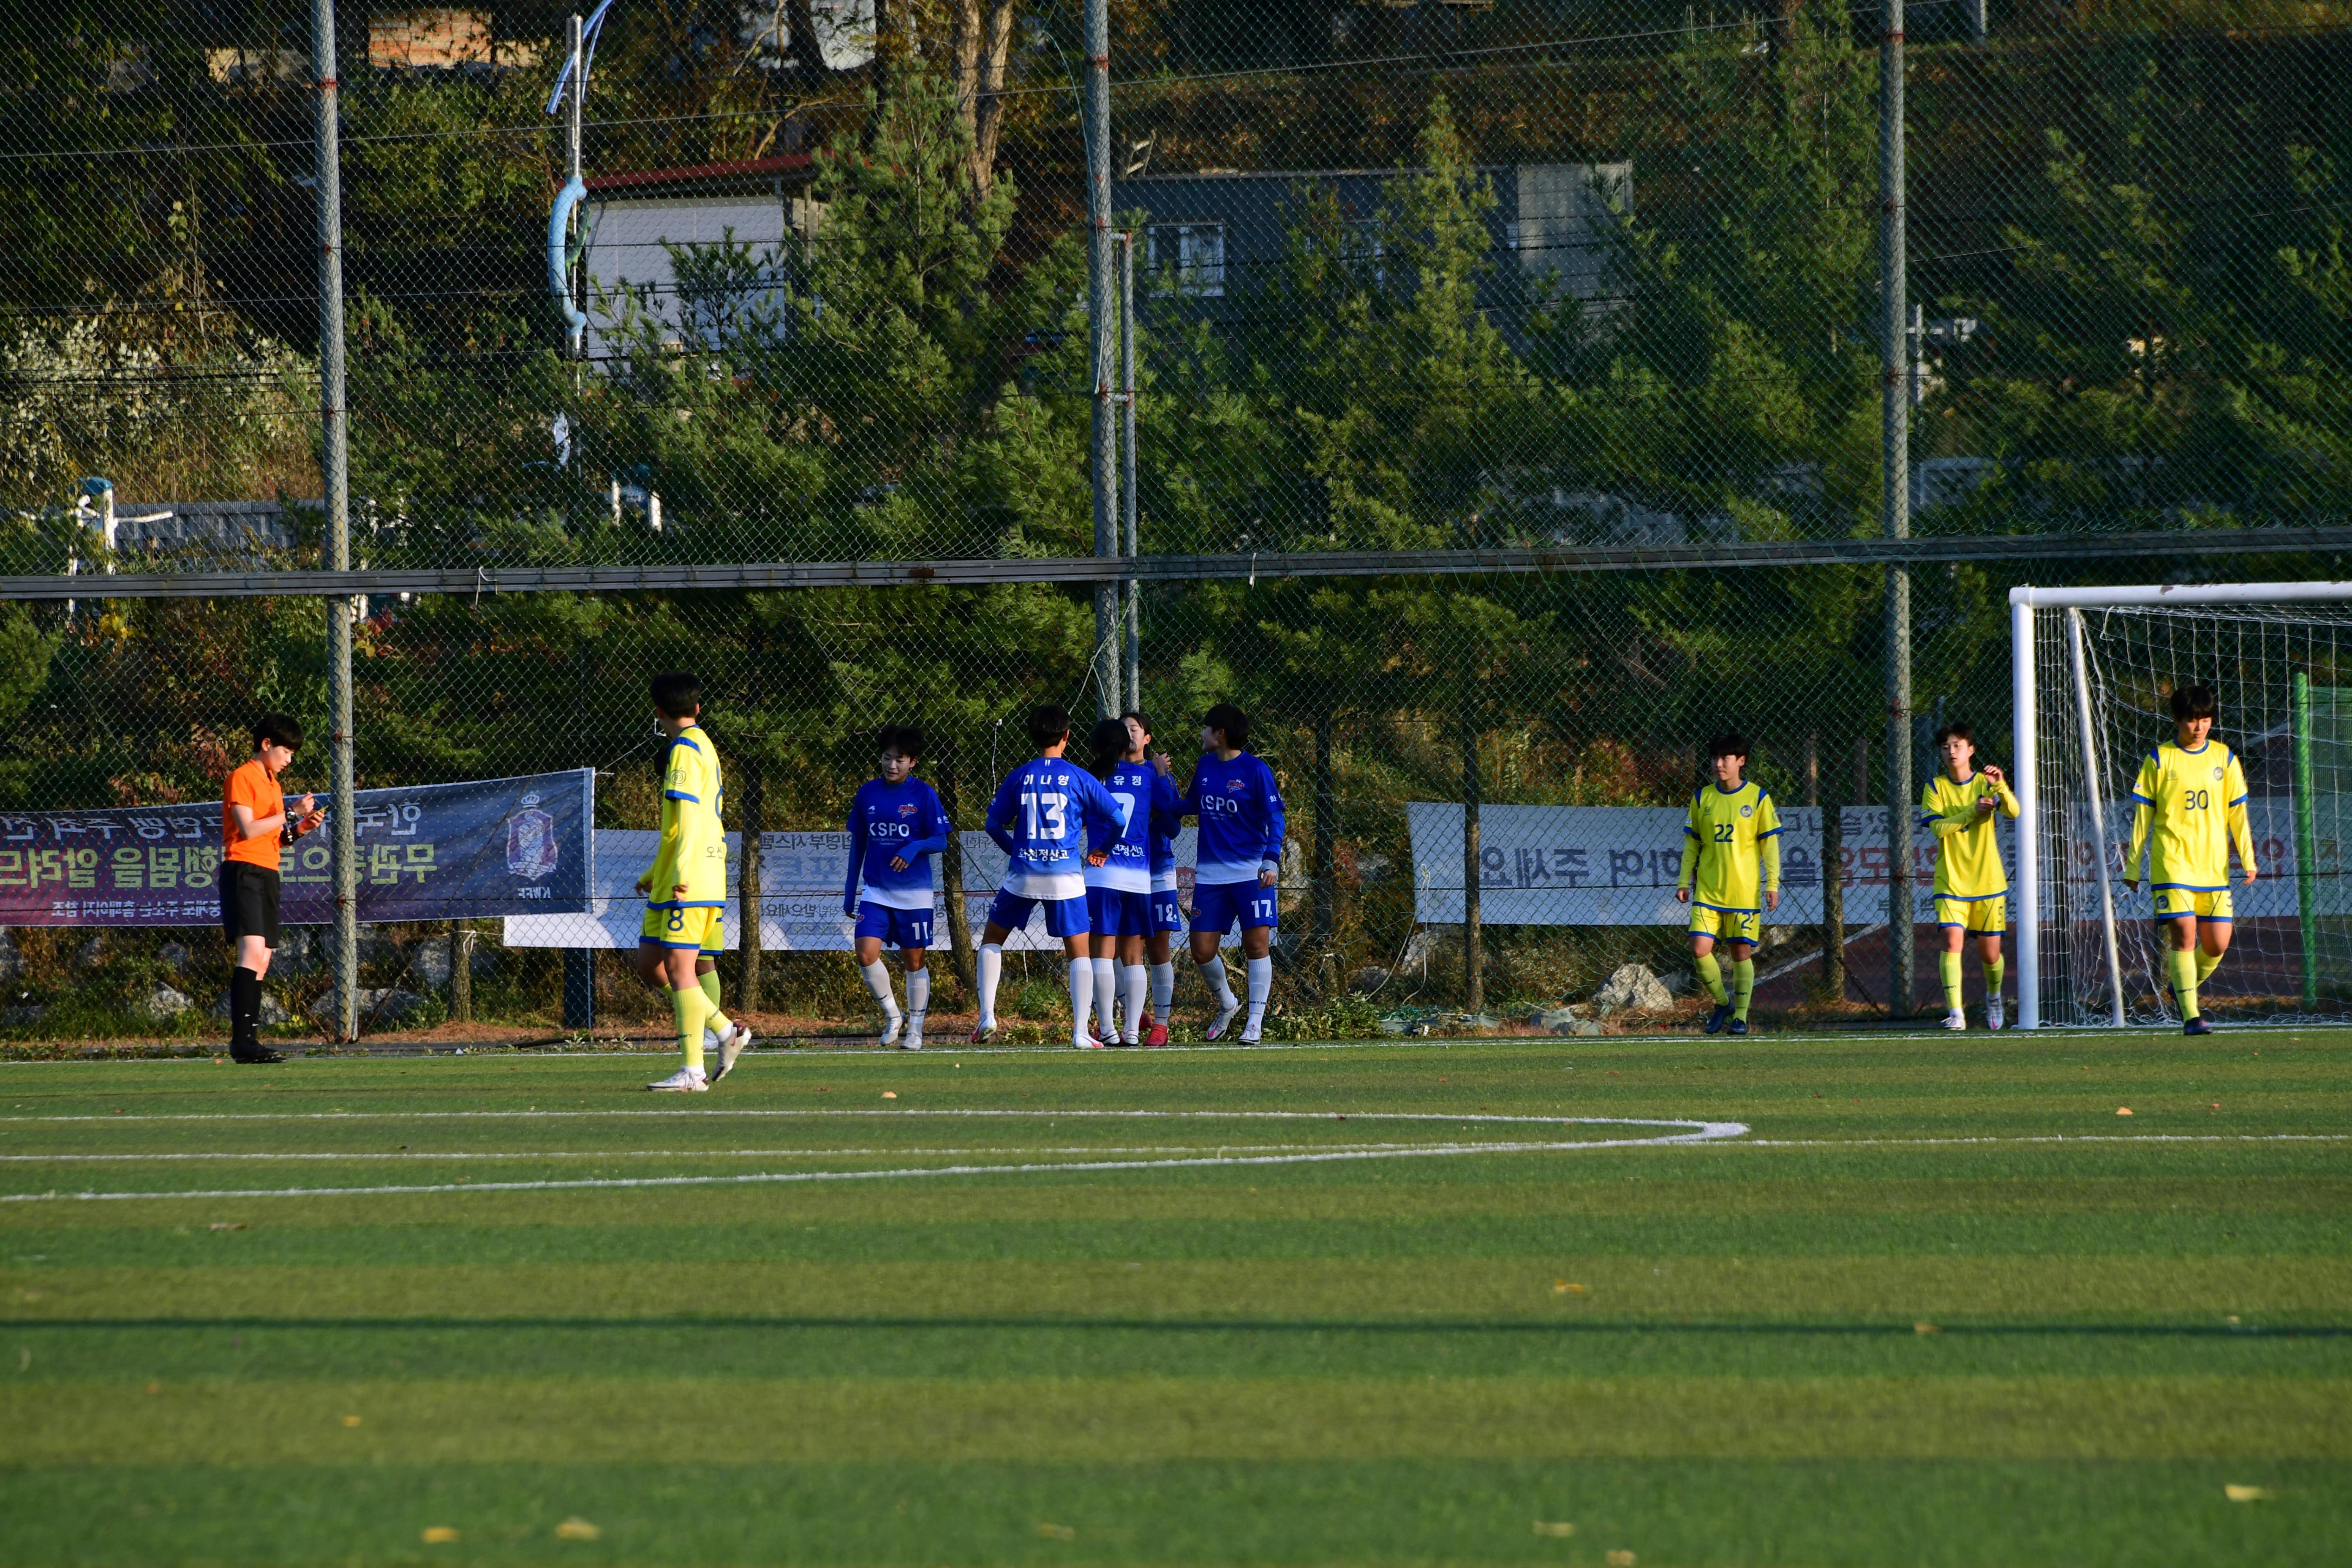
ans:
x=1221 y=805
x=881 y=830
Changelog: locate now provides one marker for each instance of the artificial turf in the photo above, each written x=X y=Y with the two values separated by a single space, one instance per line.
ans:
x=1938 y=1304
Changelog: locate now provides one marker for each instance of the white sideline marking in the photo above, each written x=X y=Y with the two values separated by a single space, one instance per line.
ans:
x=2051 y=1138
x=828 y=1111
x=1694 y=1133
x=519 y=1156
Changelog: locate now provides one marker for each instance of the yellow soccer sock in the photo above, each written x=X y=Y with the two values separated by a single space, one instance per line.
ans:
x=1743 y=985
x=688 y=1007
x=2206 y=963
x=1710 y=974
x=714 y=1020
x=2182 y=966
x=1994 y=972
x=1947 y=969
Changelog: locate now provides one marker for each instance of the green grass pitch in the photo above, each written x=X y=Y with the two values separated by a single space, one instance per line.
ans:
x=1939 y=1303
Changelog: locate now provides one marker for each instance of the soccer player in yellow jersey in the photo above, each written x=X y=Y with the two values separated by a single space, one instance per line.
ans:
x=1730 y=876
x=2191 y=796
x=1971 y=885
x=686 y=888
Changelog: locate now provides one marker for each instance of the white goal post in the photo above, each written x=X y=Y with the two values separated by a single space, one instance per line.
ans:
x=2089 y=666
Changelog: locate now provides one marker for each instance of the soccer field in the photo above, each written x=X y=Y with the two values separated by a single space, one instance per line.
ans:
x=1658 y=1302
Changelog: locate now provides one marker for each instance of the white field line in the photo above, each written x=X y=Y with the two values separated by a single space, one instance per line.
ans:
x=2048 y=1138
x=1695 y=1133
x=519 y=1156
x=839 y=1111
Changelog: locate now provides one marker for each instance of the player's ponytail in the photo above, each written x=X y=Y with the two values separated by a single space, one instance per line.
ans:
x=1109 y=743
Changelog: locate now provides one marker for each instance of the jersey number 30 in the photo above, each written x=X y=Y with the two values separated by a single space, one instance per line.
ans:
x=2195 y=800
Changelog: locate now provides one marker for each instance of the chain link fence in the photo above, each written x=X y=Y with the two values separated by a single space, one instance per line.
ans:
x=1421 y=277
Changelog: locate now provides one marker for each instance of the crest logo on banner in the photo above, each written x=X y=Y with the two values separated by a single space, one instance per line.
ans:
x=531 y=850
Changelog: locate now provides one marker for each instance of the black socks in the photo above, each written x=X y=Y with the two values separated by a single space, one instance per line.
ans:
x=245 y=1011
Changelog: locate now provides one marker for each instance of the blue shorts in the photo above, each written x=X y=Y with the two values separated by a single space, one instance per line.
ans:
x=1217 y=905
x=1166 y=914
x=1064 y=917
x=895 y=927
x=1113 y=912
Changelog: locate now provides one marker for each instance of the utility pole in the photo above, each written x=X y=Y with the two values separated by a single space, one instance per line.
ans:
x=1894 y=456
x=1127 y=451
x=571 y=127
x=1101 y=310
x=334 y=463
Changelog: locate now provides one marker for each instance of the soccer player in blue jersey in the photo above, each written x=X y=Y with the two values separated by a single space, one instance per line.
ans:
x=1050 y=817
x=896 y=826
x=1167 y=916
x=1234 y=794
x=1119 y=891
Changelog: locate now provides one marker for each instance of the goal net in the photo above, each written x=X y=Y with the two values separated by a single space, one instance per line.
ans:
x=2095 y=672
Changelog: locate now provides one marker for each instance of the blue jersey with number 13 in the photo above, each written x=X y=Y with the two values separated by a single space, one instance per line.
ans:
x=1042 y=817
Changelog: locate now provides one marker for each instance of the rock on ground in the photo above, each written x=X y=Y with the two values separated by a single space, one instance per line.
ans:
x=1632 y=988
x=163 y=1004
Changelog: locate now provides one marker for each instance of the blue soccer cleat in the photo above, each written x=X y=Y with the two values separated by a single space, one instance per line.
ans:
x=2197 y=1026
x=1718 y=1018
x=1739 y=1025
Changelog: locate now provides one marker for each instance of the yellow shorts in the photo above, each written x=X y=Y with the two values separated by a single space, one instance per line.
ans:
x=1725 y=925
x=1978 y=917
x=2172 y=903
x=697 y=928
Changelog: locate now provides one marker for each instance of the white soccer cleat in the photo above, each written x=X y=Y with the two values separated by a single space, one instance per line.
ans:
x=1088 y=1043
x=984 y=1031
x=1223 y=1021
x=731 y=1045
x=1996 y=1017
x=1956 y=1020
x=894 y=1024
x=685 y=1081
x=1251 y=1037
x=913 y=1041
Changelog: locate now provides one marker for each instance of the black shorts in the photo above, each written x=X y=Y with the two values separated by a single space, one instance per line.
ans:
x=248 y=902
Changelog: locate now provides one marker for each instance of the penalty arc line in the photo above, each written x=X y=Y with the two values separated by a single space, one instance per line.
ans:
x=1701 y=1133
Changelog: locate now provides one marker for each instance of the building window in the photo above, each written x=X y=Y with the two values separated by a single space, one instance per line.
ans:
x=1187 y=257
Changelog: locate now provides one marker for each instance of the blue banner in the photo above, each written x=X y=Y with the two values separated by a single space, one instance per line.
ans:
x=428 y=852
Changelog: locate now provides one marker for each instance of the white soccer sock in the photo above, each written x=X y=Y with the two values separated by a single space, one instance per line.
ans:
x=1260 y=972
x=877 y=980
x=1105 y=997
x=1163 y=990
x=1131 y=986
x=919 y=998
x=1213 y=973
x=1082 y=996
x=991 y=969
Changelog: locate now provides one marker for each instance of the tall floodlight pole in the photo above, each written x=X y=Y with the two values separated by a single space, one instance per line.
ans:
x=334 y=462
x=1895 y=410
x=1127 y=452
x=1102 y=311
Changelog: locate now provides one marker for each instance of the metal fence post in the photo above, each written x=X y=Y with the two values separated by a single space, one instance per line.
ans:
x=334 y=464
x=1127 y=449
x=1101 y=310
x=1895 y=504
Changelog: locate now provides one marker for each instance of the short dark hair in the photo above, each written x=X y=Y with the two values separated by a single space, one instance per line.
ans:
x=2195 y=701
x=1232 y=721
x=1729 y=743
x=1048 y=722
x=283 y=727
x=676 y=693
x=907 y=740
x=1956 y=732
x=1141 y=721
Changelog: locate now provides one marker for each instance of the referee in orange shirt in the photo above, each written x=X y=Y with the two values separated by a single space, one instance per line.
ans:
x=254 y=825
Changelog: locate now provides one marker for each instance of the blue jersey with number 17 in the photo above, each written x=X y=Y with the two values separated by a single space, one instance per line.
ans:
x=1046 y=814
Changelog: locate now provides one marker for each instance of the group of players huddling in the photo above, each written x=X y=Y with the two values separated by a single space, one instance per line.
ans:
x=1092 y=846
